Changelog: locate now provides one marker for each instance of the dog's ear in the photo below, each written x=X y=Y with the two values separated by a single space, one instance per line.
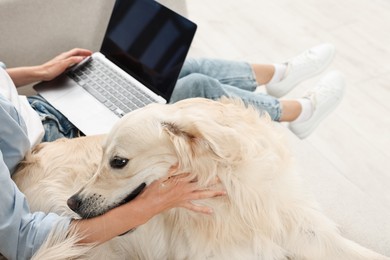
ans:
x=194 y=151
x=189 y=139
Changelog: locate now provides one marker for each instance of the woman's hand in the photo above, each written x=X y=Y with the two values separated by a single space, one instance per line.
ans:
x=49 y=70
x=59 y=64
x=178 y=191
x=160 y=195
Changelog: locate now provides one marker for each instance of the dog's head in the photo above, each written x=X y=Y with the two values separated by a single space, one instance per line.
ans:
x=199 y=136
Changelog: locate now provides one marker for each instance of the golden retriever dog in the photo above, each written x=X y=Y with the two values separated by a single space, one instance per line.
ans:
x=266 y=214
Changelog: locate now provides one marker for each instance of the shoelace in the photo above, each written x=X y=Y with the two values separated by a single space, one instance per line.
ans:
x=320 y=90
x=302 y=60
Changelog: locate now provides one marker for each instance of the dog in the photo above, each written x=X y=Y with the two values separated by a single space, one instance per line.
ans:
x=266 y=214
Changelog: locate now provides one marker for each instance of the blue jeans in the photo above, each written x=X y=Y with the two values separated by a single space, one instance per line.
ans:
x=56 y=125
x=213 y=78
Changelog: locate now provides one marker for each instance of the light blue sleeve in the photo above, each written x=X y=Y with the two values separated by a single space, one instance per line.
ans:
x=21 y=232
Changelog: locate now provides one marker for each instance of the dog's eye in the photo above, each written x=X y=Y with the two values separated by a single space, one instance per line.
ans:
x=118 y=162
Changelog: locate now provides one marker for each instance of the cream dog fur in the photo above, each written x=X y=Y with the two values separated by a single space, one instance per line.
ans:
x=266 y=214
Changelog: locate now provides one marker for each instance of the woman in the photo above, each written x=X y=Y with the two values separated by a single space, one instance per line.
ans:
x=26 y=122
x=23 y=232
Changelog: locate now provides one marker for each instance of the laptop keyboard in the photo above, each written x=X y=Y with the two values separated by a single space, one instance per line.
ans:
x=109 y=87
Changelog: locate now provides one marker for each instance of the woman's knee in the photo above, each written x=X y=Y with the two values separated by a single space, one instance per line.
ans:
x=190 y=66
x=197 y=80
x=194 y=85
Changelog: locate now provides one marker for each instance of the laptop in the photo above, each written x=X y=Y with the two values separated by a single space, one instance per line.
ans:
x=141 y=56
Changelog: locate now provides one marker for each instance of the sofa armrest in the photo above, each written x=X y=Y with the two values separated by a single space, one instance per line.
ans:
x=34 y=31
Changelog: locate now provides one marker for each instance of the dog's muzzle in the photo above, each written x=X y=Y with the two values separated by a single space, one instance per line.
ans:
x=133 y=194
x=86 y=209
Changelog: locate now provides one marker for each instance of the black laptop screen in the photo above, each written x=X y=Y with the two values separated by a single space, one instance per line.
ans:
x=148 y=41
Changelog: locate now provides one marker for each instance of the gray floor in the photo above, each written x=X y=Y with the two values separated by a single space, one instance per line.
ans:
x=354 y=141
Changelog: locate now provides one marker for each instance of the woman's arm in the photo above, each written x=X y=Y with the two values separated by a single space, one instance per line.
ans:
x=177 y=191
x=25 y=75
x=23 y=232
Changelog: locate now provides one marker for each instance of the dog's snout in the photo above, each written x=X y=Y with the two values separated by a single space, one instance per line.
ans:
x=74 y=203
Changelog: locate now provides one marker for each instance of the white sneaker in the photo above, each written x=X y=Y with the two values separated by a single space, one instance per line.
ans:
x=325 y=97
x=305 y=65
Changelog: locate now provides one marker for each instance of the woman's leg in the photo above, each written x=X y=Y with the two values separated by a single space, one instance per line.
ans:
x=303 y=113
x=265 y=72
x=291 y=109
x=232 y=73
x=279 y=79
x=199 y=85
x=55 y=124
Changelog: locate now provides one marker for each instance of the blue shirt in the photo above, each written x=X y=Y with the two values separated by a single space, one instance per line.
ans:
x=21 y=232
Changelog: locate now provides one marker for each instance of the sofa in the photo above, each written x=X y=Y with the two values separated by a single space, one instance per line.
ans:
x=33 y=32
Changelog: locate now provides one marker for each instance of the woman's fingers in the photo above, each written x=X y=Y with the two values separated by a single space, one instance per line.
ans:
x=205 y=194
x=73 y=60
x=191 y=190
x=187 y=182
x=197 y=208
x=73 y=52
x=180 y=191
x=55 y=68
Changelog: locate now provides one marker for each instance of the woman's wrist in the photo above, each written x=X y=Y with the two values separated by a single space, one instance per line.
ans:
x=140 y=210
x=111 y=224
x=25 y=75
x=129 y=216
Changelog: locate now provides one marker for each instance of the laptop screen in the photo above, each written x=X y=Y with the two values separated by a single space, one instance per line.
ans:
x=148 y=41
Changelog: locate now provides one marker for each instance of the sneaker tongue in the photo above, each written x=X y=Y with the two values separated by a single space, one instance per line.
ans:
x=306 y=59
x=313 y=99
x=288 y=69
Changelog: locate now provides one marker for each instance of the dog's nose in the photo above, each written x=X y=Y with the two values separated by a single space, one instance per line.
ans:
x=74 y=203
